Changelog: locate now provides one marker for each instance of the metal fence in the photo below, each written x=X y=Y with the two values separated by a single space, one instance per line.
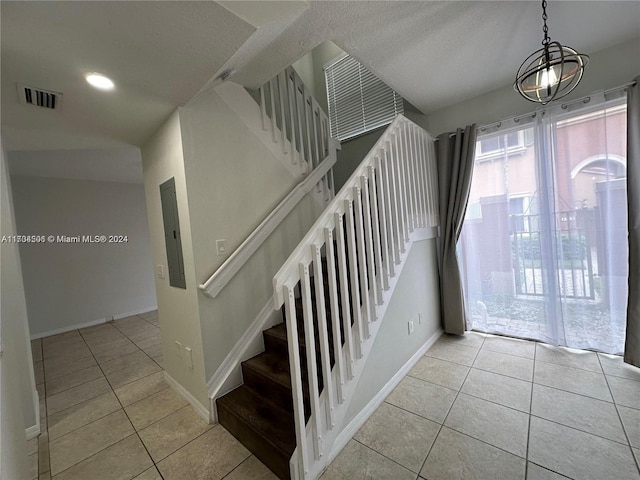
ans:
x=572 y=254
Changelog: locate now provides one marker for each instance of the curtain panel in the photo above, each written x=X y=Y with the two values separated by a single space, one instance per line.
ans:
x=455 y=156
x=632 y=342
x=544 y=250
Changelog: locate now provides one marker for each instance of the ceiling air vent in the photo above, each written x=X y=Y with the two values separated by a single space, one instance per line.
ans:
x=39 y=97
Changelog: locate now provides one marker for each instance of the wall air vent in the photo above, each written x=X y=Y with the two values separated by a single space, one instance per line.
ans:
x=39 y=97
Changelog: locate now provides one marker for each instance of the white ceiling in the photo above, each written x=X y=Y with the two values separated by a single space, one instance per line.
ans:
x=438 y=53
x=160 y=54
x=441 y=53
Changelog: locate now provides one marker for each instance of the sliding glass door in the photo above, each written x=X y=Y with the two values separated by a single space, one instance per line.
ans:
x=544 y=243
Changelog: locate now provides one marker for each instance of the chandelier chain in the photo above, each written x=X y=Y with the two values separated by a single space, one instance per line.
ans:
x=552 y=72
x=545 y=29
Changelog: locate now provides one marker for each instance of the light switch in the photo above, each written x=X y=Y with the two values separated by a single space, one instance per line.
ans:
x=160 y=271
x=221 y=247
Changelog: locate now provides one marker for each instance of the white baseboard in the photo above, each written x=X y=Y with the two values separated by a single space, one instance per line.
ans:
x=352 y=428
x=68 y=328
x=33 y=431
x=180 y=390
x=425 y=233
x=244 y=348
x=134 y=312
x=93 y=323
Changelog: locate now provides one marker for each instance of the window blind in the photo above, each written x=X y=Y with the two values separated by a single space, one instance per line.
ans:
x=358 y=100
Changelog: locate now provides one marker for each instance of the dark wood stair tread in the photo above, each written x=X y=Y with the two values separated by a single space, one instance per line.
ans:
x=279 y=332
x=274 y=425
x=259 y=413
x=272 y=366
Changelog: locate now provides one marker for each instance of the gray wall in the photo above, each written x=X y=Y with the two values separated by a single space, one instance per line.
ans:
x=417 y=292
x=311 y=70
x=72 y=284
x=351 y=155
x=18 y=397
x=233 y=182
x=163 y=158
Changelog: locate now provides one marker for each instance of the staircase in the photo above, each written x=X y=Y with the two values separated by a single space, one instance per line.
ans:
x=260 y=412
x=292 y=410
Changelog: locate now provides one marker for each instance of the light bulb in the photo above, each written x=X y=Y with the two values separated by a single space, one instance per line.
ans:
x=548 y=77
x=98 y=80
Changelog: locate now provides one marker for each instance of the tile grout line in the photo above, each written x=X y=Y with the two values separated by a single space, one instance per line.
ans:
x=383 y=455
x=412 y=413
x=46 y=414
x=533 y=373
x=122 y=408
x=532 y=382
x=193 y=440
x=135 y=432
x=237 y=466
x=624 y=429
x=124 y=411
x=549 y=470
x=143 y=350
x=575 y=393
x=580 y=430
x=531 y=415
x=155 y=465
x=44 y=387
x=484 y=338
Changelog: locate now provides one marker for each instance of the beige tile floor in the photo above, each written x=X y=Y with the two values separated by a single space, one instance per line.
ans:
x=474 y=407
x=107 y=412
x=482 y=407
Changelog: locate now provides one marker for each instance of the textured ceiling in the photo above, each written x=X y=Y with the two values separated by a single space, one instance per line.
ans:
x=438 y=53
x=161 y=53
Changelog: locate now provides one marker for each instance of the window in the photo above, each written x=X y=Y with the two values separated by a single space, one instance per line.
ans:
x=358 y=100
x=513 y=142
x=547 y=258
x=519 y=214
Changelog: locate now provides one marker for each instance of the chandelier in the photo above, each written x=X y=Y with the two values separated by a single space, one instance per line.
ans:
x=551 y=72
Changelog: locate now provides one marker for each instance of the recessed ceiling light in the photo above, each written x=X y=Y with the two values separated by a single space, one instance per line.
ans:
x=99 y=81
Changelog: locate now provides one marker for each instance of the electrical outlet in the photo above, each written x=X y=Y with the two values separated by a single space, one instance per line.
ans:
x=420 y=318
x=221 y=247
x=178 y=349
x=410 y=326
x=160 y=271
x=189 y=357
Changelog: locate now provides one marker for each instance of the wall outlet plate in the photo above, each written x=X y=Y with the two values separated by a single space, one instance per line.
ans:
x=189 y=355
x=410 y=326
x=160 y=271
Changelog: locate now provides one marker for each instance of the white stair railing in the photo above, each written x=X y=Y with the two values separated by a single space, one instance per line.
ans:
x=362 y=235
x=297 y=122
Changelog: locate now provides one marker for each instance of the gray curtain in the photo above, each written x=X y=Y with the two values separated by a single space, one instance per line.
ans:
x=632 y=342
x=454 y=156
